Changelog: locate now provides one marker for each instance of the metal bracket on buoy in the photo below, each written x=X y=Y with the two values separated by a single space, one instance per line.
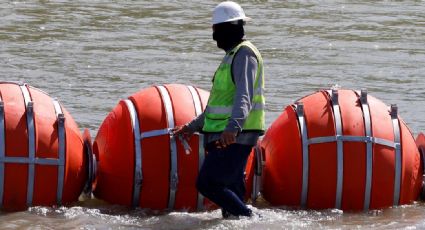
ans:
x=29 y=106
x=397 y=176
x=168 y=106
x=304 y=138
x=61 y=150
x=201 y=151
x=258 y=172
x=369 y=147
x=201 y=157
x=340 y=149
x=138 y=175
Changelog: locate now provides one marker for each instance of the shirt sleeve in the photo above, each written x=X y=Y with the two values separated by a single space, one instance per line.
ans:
x=244 y=70
x=197 y=124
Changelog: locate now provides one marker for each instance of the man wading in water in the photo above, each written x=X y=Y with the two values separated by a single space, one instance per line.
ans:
x=234 y=117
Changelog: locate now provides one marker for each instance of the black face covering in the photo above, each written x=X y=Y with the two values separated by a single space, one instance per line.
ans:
x=228 y=35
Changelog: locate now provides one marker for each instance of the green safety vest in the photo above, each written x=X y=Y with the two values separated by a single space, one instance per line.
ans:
x=220 y=102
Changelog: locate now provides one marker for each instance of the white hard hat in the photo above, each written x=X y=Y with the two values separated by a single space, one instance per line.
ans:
x=228 y=12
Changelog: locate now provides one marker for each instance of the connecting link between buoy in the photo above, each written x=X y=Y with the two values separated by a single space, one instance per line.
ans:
x=422 y=155
x=91 y=161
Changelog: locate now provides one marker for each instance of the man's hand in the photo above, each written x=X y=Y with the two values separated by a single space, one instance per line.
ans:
x=182 y=130
x=227 y=138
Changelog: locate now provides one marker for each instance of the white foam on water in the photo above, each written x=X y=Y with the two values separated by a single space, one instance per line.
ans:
x=116 y=217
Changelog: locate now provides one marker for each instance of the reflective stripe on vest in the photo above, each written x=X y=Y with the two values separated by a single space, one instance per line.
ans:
x=228 y=109
x=220 y=103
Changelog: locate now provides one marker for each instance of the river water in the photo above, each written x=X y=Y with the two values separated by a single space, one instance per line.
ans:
x=91 y=54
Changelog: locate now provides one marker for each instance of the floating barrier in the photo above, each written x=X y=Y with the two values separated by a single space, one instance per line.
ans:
x=41 y=150
x=139 y=163
x=340 y=149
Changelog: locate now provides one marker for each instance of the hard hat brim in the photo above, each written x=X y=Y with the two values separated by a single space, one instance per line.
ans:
x=244 y=18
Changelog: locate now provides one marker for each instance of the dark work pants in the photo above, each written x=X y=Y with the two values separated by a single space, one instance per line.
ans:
x=221 y=178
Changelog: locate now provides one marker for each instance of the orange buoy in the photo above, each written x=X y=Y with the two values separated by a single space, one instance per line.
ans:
x=139 y=163
x=41 y=150
x=340 y=149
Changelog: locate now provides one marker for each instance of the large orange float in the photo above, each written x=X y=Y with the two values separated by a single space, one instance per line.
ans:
x=139 y=163
x=340 y=149
x=41 y=150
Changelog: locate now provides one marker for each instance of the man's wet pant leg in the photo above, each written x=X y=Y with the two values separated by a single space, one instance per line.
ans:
x=221 y=178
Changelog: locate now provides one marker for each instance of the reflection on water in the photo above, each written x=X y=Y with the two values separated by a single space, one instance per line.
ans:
x=90 y=54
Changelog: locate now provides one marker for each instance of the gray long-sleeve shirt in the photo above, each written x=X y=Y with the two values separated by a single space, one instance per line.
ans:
x=244 y=69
